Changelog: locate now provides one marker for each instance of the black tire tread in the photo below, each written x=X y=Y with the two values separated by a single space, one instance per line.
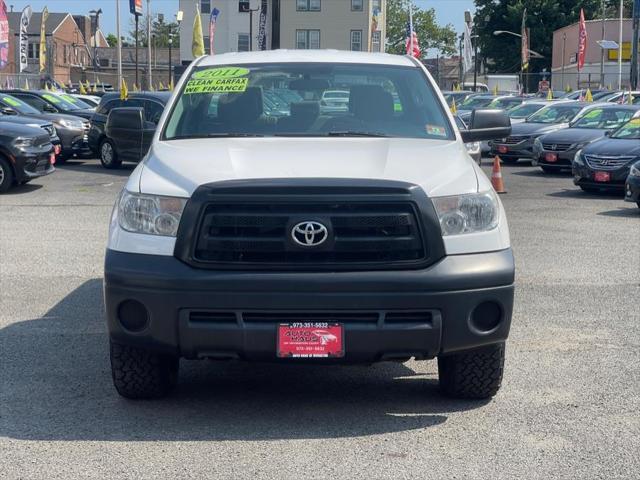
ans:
x=139 y=373
x=116 y=163
x=475 y=374
x=8 y=175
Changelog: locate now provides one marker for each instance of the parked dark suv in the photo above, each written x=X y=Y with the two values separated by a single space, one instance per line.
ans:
x=25 y=153
x=48 y=102
x=112 y=151
x=71 y=129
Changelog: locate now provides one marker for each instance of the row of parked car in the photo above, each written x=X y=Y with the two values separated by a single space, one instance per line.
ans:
x=599 y=141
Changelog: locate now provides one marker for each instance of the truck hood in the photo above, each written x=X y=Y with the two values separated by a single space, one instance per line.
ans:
x=613 y=147
x=178 y=167
x=24 y=120
x=530 y=129
x=573 y=135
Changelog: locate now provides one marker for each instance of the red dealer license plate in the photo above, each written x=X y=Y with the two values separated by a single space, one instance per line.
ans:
x=551 y=157
x=502 y=149
x=310 y=340
x=603 y=177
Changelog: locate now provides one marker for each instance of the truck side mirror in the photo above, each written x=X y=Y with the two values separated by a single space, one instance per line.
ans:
x=487 y=124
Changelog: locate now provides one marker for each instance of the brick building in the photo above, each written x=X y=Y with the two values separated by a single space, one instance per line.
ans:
x=69 y=46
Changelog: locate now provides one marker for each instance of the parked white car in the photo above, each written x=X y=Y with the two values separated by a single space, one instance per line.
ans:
x=241 y=234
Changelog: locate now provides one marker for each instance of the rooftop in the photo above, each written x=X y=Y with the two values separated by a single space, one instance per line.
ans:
x=294 y=56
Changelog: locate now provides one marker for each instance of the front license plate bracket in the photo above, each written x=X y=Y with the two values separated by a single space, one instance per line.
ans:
x=310 y=340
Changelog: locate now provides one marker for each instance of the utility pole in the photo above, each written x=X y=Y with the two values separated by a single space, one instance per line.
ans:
x=137 y=17
x=564 y=49
x=604 y=13
x=149 y=39
x=119 y=44
x=247 y=9
x=620 y=46
x=634 y=48
x=461 y=73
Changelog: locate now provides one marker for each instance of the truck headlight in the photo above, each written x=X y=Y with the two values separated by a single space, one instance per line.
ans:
x=68 y=123
x=577 y=159
x=22 y=142
x=635 y=171
x=150 y=214
x=459 y=214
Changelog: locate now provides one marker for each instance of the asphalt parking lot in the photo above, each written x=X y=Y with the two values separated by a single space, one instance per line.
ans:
x=568 y=407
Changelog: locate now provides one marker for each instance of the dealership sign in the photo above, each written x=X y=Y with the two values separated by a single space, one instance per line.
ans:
x=135 y=7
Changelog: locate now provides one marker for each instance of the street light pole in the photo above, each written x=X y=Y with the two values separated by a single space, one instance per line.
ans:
x=249 y=10
x=602 y=53
x=564 y=49
x=119 y=44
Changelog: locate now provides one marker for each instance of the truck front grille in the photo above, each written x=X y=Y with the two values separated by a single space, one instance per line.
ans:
x=365 y=224
x=598 y=162
x=262 y=234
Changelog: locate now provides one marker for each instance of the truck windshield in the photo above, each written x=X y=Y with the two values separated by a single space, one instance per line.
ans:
x=299 y=99
x=555 y=114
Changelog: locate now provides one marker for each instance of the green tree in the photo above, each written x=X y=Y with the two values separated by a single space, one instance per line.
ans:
x=160 y=31
x=430 y=34
x=502 y=52
x=112 y=40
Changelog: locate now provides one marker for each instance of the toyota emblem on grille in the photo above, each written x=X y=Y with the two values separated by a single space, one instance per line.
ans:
x=309 y=234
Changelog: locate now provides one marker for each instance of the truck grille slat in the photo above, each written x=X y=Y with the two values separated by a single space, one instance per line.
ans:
x=260 y=233
x=597 y=162
x=556 y=147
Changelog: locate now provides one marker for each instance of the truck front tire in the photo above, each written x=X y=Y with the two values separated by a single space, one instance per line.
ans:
x=475 y=374
x=139 y=373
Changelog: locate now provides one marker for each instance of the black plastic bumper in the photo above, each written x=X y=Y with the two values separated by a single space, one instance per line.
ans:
x=564 y=159
x=227 y=304
x=585 y=177
x=632 y=189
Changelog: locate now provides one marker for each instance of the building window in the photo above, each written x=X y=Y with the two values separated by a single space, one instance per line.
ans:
x=376 y=42
x=243 y=42
x=207 y=44
x=356 y=5
x=356 y=40
x=308 y=5
x=307 y=39
x=205 y=6
x=33 y=50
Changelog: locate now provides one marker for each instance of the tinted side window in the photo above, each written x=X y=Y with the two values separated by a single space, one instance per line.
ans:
x=32 y=100
x=105 y=108
x=152 y=111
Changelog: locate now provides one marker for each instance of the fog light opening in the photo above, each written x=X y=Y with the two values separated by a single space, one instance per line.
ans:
x=486 y=317
x=133 y=315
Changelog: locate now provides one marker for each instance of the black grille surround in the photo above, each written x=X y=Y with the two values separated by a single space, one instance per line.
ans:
x=372 y=224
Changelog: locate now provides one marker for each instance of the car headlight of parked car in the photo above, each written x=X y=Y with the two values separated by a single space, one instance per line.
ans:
x=577 y=159
x=68 y=123
x=472 y=213
x=635 y=170
x=537 y=144
x=150 y=214
x=473 y=148
x=22 y=142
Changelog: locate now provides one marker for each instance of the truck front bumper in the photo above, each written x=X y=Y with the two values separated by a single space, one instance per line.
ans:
x=459 y=303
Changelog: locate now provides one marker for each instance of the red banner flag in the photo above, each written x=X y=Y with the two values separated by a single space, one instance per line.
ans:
x=582 y=41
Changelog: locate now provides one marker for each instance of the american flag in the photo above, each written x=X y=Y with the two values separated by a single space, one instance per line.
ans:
x=212 y=29
x=412 y=43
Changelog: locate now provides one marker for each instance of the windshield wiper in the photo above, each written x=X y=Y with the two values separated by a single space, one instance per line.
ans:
x=353 y=133
x=215 y=135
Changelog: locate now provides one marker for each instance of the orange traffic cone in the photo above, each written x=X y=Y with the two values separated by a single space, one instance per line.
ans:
x=496 y=176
